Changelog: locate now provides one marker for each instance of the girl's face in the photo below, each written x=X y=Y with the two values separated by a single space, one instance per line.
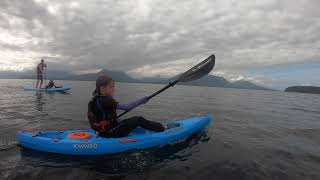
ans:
x=107 y=90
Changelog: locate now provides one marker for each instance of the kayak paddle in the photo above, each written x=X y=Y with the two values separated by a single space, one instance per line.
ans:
x=194 y=73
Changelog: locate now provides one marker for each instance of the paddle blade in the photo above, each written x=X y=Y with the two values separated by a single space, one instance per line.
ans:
x=199 y=70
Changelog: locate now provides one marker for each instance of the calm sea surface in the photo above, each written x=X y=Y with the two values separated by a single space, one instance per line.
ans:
x=255 y=134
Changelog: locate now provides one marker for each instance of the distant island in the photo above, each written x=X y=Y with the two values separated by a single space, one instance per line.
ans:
x=304 y=89
x=209 y=81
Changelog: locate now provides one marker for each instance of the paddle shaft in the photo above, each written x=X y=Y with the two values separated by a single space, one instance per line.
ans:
x=153 y=95
x=163 y=89
x=45 y=75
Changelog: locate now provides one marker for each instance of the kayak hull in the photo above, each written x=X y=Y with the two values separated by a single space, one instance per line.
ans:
x=62 y=89
x=61 y=143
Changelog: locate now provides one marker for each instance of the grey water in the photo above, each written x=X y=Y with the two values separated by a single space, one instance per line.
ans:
x=255 y=134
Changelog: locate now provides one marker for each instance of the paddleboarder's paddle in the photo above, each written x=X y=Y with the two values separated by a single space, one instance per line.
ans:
x=45 y=76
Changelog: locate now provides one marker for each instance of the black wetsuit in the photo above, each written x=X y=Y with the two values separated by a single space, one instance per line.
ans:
x=102 y=116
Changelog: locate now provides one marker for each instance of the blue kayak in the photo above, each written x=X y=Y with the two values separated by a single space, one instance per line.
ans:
x=60 y=89
x=86 y=142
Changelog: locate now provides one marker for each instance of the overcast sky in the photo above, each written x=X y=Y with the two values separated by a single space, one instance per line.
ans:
x=270 y=42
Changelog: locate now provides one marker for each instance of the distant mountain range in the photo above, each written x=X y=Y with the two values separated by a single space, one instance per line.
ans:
x=209 y=80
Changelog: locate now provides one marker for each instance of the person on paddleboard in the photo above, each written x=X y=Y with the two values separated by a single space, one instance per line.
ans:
x=102 y=113
x=51 y=85
x=40 y=70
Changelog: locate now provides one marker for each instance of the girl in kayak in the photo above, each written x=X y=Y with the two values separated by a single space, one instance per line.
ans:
x=102 y=113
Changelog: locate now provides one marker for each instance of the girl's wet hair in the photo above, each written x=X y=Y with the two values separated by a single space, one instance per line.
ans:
x=102 y=80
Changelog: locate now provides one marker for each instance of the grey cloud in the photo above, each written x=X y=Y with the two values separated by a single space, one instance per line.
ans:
x=128 y=35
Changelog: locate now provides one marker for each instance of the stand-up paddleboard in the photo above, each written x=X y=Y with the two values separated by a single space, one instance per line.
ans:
x=86 y=142
x=60 y=89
